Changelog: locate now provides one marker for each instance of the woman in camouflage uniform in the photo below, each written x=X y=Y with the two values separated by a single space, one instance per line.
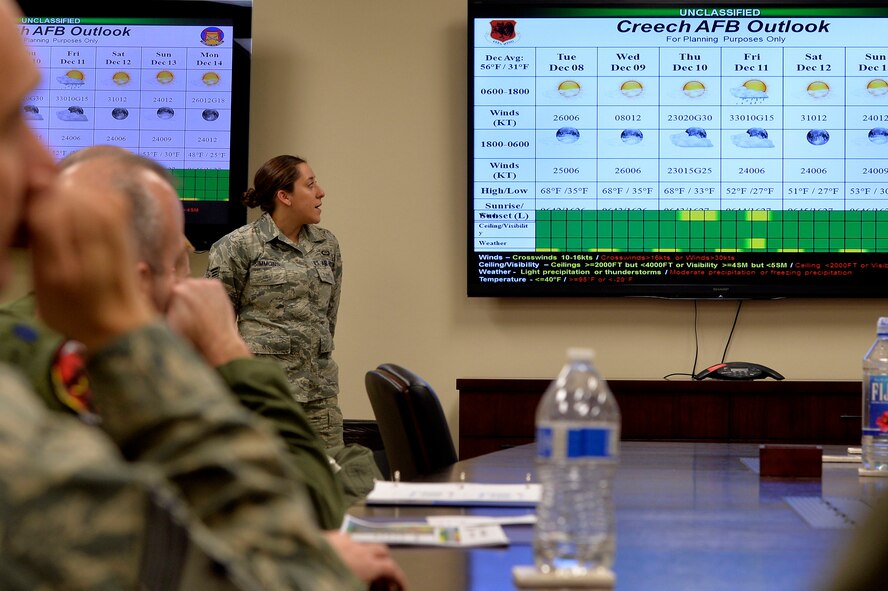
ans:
x=283 y=275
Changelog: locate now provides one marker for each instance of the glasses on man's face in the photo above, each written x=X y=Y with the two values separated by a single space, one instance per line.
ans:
x=183 y=263
x=182 y=268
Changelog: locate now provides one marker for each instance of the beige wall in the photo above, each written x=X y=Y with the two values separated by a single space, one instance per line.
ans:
x=373 y=94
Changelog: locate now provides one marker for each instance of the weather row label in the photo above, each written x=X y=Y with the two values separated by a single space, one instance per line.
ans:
x=677 y=61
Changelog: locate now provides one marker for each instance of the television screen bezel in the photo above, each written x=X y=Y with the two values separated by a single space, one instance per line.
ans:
x=201 y=228
x=695 y=291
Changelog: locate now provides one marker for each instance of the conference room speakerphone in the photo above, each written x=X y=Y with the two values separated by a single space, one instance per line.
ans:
x=738 y=370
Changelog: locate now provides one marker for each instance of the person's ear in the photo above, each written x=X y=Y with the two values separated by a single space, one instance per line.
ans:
x=283 y=197
x=145 y=278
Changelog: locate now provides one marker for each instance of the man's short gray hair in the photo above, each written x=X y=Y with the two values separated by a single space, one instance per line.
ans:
x=123 y=175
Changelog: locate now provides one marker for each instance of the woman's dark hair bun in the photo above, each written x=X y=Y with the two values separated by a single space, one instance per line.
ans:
x=250 y=199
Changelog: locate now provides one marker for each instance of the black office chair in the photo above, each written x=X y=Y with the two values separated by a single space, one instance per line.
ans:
x=411 y=421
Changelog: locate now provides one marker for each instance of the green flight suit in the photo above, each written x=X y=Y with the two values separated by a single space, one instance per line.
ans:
x=73 y=497
x=259 y=384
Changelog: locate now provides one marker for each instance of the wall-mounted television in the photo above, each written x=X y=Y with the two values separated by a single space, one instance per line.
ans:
x=677 y=149
x=167 y=79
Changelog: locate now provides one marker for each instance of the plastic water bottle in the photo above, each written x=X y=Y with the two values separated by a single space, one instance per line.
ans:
x=578 y=438
x=874 y=447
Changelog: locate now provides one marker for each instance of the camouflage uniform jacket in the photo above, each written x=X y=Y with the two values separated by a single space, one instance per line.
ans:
x=259 y=384
x=73 y=497
x=286 y=297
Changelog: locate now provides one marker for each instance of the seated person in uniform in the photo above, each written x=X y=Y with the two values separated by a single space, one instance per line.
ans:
x=199 y=309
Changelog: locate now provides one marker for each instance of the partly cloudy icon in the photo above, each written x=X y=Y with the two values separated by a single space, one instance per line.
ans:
x=692 y=137
x=694 y=89
x=878 y=135
x=631 y=88
x=567 y=135
x=32 y=113
x=71 y=78
x=751 y=91
x=877 y=87
x=818 y=89
x=631 y=136
x=74 y=113
x=569 y=88
x=755 y=137
x=120 y=78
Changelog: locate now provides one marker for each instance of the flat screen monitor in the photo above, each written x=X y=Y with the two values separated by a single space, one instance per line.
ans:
x=678 y=150
x=169 y=80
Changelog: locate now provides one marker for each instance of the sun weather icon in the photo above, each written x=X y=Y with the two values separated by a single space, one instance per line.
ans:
x=818 y=89
x=877 y=87
x=72 y=78
x=631 y=88
x=120 y=78
x=694 y=89
x=164 y=77
x=751 y=91
x=569 y=88
x=210 y=78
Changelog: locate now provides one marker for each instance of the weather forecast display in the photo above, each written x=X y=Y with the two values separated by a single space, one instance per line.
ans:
x=625 y=148
x=158 y=88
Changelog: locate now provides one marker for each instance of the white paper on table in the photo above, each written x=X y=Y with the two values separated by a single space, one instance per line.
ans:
x=849 y=459
x=526 y=519
x=852 y=457
x=401 y=533
x=386 y=492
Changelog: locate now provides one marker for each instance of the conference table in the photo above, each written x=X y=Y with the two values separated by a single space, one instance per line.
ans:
x=688 y=516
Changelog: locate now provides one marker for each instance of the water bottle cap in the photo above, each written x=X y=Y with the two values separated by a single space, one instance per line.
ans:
x=584 y=354
x=882 y=326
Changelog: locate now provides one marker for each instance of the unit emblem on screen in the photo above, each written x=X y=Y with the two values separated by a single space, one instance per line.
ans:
x=503 y=31
x=212 y=36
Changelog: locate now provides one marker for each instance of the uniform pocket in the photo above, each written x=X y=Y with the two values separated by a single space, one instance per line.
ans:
x=326 y=275
x=268 y=341
x=268 y=275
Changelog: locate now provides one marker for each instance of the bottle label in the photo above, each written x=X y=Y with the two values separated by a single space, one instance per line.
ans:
x=877 y=399
x=575 y=443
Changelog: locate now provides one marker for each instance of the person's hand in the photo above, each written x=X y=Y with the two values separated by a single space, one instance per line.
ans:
x=82 y=265
x=372 y=563
x=200 y=311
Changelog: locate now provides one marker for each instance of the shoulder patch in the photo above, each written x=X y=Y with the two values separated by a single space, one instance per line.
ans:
x=25 y=332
